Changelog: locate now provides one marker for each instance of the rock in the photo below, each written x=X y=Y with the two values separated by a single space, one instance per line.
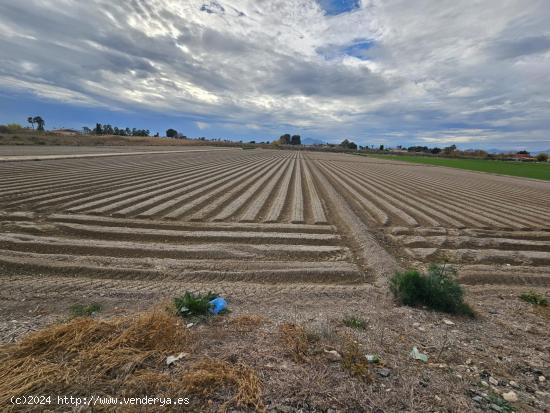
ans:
x=333 y=355
x=542 y=379
x=383 y=372
x=514 y=384
x=189 y=325
x=437 y=398
x=493 y=381
x=468 y=361
x=484 y=383
x=448 y=322
x=511 y=396
x=477 y=399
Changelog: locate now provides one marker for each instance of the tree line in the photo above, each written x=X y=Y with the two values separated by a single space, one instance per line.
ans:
x=287 y=139
x=110 y=130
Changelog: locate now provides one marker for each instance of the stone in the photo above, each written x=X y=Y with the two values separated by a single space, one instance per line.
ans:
x=333 y=355
x=542 y=379
x=484 y=383
x=514 y=384
x=493 y=381
x=383 y=372
x=511 y=396
x=477 y=399
x=448 y=322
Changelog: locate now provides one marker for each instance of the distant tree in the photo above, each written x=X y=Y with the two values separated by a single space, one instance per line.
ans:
x=381 y=148
x=542 y=157
x=86 y=130
x=157 y=135
x=523 y=153
x=284 y=139
x=40 y=123
x=30 y=120
x=171 y=133
x=435 y=150
x=348 y=144
x=252 y=142
x=295 y=140
x=449 y=149
x=98 y=130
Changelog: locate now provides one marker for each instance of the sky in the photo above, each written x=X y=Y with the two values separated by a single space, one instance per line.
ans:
x=475 y=73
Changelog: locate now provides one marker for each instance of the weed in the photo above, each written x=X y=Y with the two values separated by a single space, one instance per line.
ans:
x=438 y=290
x=297 y=340
x=81 y=310
x=500 y=402
x=534 y=298
x=354 y=361
x=355 y=322
x=191 y=304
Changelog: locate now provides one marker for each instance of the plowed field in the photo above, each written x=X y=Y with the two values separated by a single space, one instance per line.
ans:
x=266 y=216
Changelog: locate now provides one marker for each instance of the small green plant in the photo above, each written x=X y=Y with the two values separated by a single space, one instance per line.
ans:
x=534 y=298
x=191 y=304
x=497 y=400
x=81 y=310
x=355 y=322
x=438 y=290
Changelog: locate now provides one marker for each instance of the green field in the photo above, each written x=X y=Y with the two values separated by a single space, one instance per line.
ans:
x=535 y=170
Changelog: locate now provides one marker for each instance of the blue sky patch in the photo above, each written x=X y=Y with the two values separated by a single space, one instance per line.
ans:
x=334 y=7
x=359 y=49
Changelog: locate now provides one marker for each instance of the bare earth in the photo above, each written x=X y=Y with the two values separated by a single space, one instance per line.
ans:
x=298 y=237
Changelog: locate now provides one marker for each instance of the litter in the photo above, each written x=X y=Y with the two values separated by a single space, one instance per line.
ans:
x=217 y=305
x=173 y=359
x=417 y=355
x=372 y=358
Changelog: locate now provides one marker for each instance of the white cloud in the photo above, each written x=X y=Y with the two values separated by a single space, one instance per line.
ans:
x=434 y=65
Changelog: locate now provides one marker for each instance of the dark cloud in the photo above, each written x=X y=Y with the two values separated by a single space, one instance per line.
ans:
x=511 y=49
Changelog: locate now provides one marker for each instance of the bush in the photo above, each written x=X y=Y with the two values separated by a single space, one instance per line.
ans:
x=438 y=290
x=194 y=304
x=534 y=298
x=81 y=310
x=355 y=322
x=542 y=157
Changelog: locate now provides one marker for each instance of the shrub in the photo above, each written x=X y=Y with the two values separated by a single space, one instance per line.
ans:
x=355 y=322
x=534 y=298
x=542 y=157
x=191 y=304
x=438 y=290
x=81 y=310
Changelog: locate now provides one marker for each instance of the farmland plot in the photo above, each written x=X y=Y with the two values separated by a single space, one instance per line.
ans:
x=267 y=216
x=496 y=229
x=235 y=215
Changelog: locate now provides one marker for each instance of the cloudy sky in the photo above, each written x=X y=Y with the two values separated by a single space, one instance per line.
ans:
x=432 y=72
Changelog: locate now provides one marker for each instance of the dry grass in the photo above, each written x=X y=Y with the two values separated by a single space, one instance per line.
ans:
x=246 y=323
x=209 y=377
x=296 y=340
x=354 y=360
x=120 y=357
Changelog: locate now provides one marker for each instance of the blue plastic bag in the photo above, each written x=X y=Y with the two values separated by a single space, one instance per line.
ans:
x=217 y=305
